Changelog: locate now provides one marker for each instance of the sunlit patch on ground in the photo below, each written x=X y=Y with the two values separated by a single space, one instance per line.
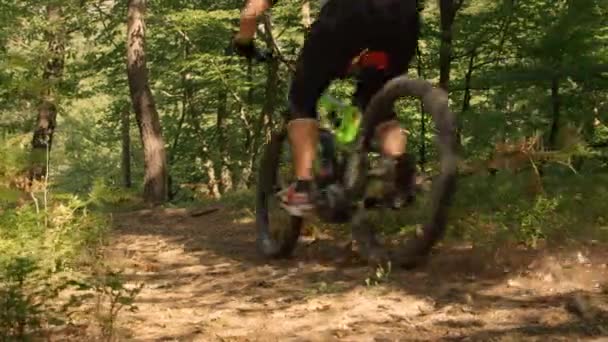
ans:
x=205 y=282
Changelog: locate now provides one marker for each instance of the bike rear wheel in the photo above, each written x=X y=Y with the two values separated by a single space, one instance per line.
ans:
x=436 y=103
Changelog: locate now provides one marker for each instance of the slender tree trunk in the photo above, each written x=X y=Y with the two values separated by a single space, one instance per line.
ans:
x=448 y=9
x=422 y=149
x=555 y=102
x=265 y=120
x=222 y=110
x=466 y=101
x=306 y=19
x=155 y=160
x=47 y=110
x=125 y=124
x=186 y=106
x=212 y=178
x=265 y=117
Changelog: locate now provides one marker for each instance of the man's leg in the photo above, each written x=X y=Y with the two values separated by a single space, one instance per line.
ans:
x=303 y=135
x=322 y=58
x=391 y=137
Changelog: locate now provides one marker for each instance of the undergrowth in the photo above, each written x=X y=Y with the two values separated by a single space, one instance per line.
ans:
x=50 y=245
x=488 y=211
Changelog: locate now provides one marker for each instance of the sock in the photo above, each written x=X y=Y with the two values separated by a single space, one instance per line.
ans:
x=303 y=185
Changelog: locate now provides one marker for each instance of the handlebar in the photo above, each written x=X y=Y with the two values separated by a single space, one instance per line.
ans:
x=263 y=56
x=259 y=55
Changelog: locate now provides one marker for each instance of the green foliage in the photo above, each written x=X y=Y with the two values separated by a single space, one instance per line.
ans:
x=518 y=69
x=536 y=220
x=111 y=295
x=104 y=196
x=490 y=211
x=381 y=275
x=216 y=110
x=41 y=248
x=20 y=313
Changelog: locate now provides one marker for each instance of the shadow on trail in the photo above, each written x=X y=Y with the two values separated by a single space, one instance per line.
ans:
x=568 y=331
x=221 y=264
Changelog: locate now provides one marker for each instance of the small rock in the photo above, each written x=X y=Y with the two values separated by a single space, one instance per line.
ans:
x=581 y=258
x=340 y=333
x=425 y=310
x=262 y=283
x=382 y=339
x=548 y=278
x=466 y=309
x=513 y=283
x=580 y=306
x=468 y=298
x=323 y=307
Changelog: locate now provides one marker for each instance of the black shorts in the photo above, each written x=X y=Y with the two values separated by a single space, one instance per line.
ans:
x=342 y=31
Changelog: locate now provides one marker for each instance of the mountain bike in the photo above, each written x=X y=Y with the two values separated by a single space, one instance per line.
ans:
x=342 y=194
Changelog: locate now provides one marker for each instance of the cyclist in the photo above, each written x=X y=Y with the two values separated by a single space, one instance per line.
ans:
x=372 y=39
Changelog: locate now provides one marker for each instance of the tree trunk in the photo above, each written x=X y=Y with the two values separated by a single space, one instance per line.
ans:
x=221 y=164
x=186 y=109
x=212 y=182
x=265 y=120
x=448 y=9
x=47 y=110
x=155 y=160
x=125 y=124
x=466 y=101
x=422 y=149
x=306 y=19
x=555 y=101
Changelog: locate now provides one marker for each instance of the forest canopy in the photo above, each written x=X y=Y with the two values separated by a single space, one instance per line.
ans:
x=513 y=70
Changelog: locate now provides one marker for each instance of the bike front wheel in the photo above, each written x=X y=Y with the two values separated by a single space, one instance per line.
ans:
x=277 y=232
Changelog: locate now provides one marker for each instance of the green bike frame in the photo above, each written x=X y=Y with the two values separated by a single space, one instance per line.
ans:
x=346 y=132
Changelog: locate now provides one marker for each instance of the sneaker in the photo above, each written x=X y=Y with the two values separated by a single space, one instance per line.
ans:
x=296 y=203
x=400 y=180
x=406 y=178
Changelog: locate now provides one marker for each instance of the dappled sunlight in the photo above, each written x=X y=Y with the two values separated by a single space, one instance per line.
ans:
x=203 y=277
x=144 y=145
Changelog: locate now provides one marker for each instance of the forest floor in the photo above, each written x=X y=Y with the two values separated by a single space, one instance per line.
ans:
x=204 y=281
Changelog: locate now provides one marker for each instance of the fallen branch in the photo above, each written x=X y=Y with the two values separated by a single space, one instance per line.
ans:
x=203 y=211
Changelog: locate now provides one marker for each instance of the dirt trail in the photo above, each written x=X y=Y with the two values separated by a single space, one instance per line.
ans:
x=205 y=282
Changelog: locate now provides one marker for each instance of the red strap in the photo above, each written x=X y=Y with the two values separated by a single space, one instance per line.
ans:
x=376 y=59
x=370 y=59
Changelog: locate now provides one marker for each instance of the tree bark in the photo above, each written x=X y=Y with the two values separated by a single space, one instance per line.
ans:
x=448 y=9
x=265 y=120
x=155 y=159
x=212 y=182
x=555 y=102
x=42 y=140
x=422 y=149
x=306 y=19
x=221 y=163
x=125 y=124
x=466 y=101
